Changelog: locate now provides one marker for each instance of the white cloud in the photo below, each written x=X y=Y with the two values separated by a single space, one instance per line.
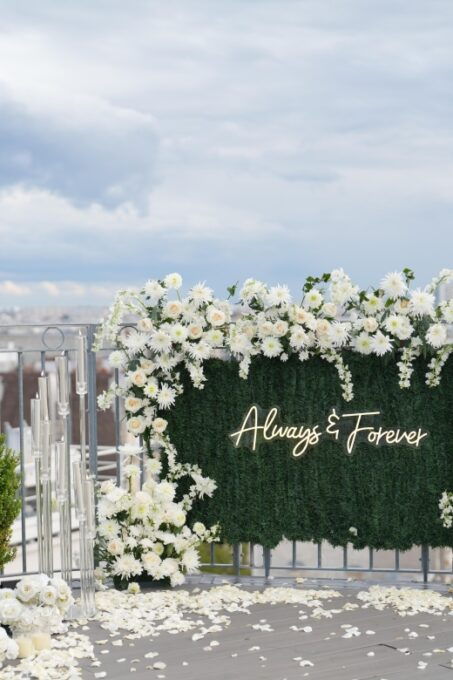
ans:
x=13 y=289
x=273 y=138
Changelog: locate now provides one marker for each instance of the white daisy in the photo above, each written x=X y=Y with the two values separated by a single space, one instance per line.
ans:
x=271 y=347
x=200 y=294
x=313 y=299
x=166 y=396
x=394 y=285
x=214 y=337
x=160 y=342
x=151 y=388
x=394 y=324
x=154 y=291
x=421 y=302
x=437 y=335
x=178 y=332
x=372 y=304
x=173 y=281
x=362 y=343
x=338 y=333
x=278 y=295
x=381 y=343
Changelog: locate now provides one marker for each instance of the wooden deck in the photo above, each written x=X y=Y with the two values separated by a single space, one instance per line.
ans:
x=389 y=647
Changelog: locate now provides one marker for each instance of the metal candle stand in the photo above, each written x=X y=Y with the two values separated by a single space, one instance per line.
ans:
x=82 y=482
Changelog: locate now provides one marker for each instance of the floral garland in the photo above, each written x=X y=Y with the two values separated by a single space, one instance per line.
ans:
x=333 y=316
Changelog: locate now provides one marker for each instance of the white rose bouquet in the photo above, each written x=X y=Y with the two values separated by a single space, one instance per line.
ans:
x=37 y=603
x=8 y=647
x=145 y=532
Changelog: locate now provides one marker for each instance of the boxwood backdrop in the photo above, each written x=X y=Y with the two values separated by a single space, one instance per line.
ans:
x=389 y=493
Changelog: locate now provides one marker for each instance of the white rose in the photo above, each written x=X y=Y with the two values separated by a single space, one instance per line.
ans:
x=173 y=309
x=215 y=316
x=322 y=326
x=280 y=328
x=48 y=595
x=10 y=610
x=138 y=377
x=136 y=425
x=133 y=404
x=370 y=324
x=199 y=528
x=195 y=331
x=115 y=547
x=145 y=325
x=329 y=309
x=159 y=425
x=27 y=589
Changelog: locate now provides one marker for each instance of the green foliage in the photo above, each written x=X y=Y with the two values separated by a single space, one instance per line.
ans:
x=390 y=494
x=9 y=502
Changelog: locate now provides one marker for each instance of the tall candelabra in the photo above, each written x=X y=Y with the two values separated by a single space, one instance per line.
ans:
x=71 y=472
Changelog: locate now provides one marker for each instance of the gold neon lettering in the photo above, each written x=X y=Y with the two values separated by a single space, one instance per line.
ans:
x=352 y=437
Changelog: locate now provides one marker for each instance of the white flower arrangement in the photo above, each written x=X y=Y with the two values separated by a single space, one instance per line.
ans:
x=332 y=317
x=8 y=647
x=145 y=531
x=37 y=603
x=446 y=509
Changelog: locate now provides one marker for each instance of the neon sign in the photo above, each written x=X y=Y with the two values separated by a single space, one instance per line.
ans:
x=347 y=428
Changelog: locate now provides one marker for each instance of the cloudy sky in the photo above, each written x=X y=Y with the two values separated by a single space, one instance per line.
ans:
x=221 y=139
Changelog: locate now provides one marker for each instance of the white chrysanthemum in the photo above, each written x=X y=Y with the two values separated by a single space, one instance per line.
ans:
x=381 y=343
x=313 y=299
x=191 y=560
x=153 y=466
x=205 y=485
x=362 y=343
x=154 y=291
x=214 y=337
x=135 y=342
x=252 y=289
x=141 y=505
x=447 y=312
x=298 y=337
x=177 y=579
x=109 y=529
x=160 y=342
x=133 y=404
x=151 y=388
x=117 y=359
x=177 y=516
x=178 y=332
x=239 y=343
x=199 y=350
x=421 y=303
x=343 y=291
x=126 y=566
x=199 y=528
x=338 y=333
x=394 y=324
x=169 y=566
x=278 y=295
x=150 y=561
x=373 y=304
x=165 y=491
x=271 y=347
x=166 y=396
x=131 y=470
x=173 y=281
x=200 y=294
x=437 y=335
x=136 y=425
x=394 y=285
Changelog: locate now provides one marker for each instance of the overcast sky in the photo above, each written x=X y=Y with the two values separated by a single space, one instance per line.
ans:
x=221 y=139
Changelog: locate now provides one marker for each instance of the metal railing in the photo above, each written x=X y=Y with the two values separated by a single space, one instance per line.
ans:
x=36 y=345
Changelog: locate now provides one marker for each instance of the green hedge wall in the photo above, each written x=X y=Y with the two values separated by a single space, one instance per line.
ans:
x=389 y=493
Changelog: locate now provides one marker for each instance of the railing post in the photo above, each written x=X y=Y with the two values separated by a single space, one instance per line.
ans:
x=92 y=400
x=425 y=562
x=237 y=560
x=267 y=562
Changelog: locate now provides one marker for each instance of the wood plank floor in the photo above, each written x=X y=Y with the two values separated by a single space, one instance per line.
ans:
x=386 y=649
